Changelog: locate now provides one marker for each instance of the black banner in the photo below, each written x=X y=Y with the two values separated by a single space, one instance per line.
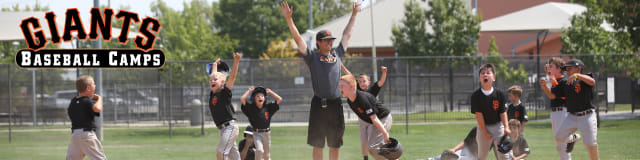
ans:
x=90 y=58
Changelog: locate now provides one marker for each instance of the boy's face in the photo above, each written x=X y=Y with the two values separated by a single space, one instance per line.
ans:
x=259 y=98
x=215 y=82
x=515 y=132
x=572 y=70
x=345 y=88
x=513 y=98
x=363 y=82
x=555 y=70
x=487 y=77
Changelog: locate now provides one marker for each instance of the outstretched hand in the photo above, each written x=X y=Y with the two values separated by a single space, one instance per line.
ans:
x=356 y=8
x=237 y=56
x=286 y=10
x=383 y=69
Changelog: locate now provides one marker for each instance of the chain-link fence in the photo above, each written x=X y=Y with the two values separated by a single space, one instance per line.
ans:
x=418 y=89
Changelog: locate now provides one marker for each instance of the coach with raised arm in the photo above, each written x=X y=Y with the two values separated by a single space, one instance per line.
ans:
x=326 y=119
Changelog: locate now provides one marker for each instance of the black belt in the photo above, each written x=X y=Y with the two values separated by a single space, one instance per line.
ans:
x=325 y=101
x=84 y=129
x=225 y=124
x=557 y=109
x=582 y=113
x=263 y=130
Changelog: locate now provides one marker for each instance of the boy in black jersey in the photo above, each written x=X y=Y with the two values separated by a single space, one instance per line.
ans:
x=488 y=104
x=579 y=93
x=378 y=118
x=516 y=110
x=554 y=69
x=82 y=111
x=260 y=114
x=222 y=110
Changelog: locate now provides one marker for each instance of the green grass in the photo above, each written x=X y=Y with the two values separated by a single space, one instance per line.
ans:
x=623 y=107
x=617 y=140
x=458 y=115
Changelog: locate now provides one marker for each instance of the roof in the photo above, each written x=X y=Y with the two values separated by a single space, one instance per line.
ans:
x=551 y=16
x=386 y=13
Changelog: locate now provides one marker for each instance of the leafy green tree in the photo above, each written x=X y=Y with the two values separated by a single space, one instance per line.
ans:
x=503 y=70
x=622 y=14
x=587 y=37
x=255 y=23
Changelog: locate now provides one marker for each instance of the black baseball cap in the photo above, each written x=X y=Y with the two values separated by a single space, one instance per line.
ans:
x=574 y=62
x=324 y=34
x=258 y=89
x=222 y=67
x=248 y=130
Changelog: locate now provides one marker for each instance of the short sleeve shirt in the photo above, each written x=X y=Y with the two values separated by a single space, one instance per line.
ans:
x=579 y=95
x=366 y=105
x=517 y=112
x=520 y=147
x=260 y=118
x=81 y=113
x=220 y=106
x=325 y=72
x=491 y=106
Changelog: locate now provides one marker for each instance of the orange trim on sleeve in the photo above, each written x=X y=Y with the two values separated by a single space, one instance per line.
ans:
x=554 y=83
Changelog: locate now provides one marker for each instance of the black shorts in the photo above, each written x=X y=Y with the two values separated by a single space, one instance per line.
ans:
x=325 y=122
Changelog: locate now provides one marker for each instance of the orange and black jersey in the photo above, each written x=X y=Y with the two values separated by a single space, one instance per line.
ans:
x=491 y=106
x=559 y=101
x=220 y=106
x=517 y=112
x=579 y=96
x=260 y=118
x=366 y=105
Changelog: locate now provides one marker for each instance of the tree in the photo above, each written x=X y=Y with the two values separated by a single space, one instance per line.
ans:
x=502 y=66
x=455 y=30
x=623 y=15
x=255 y=23
x=585 y=36
x=280 y=49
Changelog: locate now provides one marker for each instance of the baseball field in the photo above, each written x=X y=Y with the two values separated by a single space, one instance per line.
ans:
x=616 y=139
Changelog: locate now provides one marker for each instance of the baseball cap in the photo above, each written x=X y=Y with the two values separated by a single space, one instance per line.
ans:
x=222 y=67
x=324 y=34
x=248 y=130
x=574 y=62
x=258 y=89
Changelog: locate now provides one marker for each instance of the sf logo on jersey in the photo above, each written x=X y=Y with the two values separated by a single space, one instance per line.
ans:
x=495 y=104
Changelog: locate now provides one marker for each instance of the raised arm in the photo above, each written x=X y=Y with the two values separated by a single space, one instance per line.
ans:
x=383 y=77
x=245 y=95
x=346 y=34
x=234 y=71
x=585 y=78
x=345 y=70
x=97 y=107
x=287 y=12
x=214 y=67
x=275 y=95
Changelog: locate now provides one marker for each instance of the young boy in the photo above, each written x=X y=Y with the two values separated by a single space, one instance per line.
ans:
x=579 y=93
x=516 y=110
x=260 y=113
x=487 y=104
x=246 y=146
x=378 y=118
x=373 y=90
x=364 y=81
x=222 y=110
x=554 y=68
x=82 y=111
x=520 y=149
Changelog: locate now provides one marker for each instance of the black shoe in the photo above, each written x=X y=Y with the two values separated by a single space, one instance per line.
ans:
x=570 y=147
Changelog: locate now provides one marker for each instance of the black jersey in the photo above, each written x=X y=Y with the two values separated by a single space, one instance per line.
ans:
x=260 y=118
x=81 y=113
x=491 y=106
x=220 y=106
x=579 y=95
x=517 y=112
x=559 y=101
x=366 y=105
